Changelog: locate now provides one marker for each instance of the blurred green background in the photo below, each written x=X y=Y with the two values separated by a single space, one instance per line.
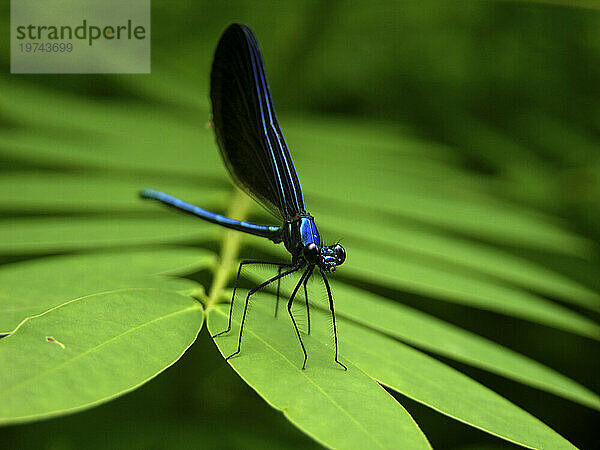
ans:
x=513 y=88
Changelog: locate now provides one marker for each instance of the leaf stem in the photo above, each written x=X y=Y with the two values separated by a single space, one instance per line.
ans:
x=230 y=247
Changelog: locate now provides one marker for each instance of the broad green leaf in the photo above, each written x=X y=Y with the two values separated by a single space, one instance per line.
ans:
x=30 y=104
x=483 y=217
x=486 y=217
x=36 y=235
x=340 y=409
x=43 y=192
x=469 y=290
x=443 y=250
x=569 y=4
x=465 y=211
x=46 y=192
x=179 y=409
x=120 y=136
x=39 y=148
x=358 y=138
x=140 y=149
x=440 y=387
x=40 y=192
x=405 y=207
x=27 y=104
x=412 y=274
x=554 y=136
x=92 y=349
x=34 y=286
x=418 y=171
x=434 y=335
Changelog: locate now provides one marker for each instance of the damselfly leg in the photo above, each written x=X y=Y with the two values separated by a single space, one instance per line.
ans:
x=332 y=317
x=305 y=299
x=237 y=278
x=250 y=293
x=304 y=276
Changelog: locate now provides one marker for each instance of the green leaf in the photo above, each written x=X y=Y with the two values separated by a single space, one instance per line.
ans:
x=472 y=213
x=413 y=216
x=47 y=192
x=340 y=409
x=442 y=388
x=410 y=274
x=36 y=235
x=437 y=249
x=453 y=286
x=32 y=287
x=141 y=138
x=125 y=136
x=91 y=349
x=42 y=192
x=435 y=335
x=394 y=364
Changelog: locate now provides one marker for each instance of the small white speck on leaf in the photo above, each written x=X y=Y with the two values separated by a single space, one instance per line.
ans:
x=55 y=341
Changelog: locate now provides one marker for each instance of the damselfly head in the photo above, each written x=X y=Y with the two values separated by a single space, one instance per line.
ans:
x=327 y=258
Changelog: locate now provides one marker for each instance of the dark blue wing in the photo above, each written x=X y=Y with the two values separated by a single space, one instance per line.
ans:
x=248 y=134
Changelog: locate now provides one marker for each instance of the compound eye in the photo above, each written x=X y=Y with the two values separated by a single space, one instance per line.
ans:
x=340 y=254
x=311 y=252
